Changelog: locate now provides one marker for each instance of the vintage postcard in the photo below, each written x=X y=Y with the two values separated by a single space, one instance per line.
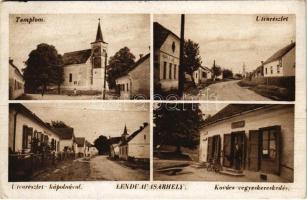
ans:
x=153 y=100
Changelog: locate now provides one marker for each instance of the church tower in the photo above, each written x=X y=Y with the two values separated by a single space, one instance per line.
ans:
x=98 y=61
x=125 y=134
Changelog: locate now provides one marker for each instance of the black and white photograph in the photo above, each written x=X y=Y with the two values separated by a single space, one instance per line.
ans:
x=224 y=142
x=79 y=142
x=79 y=56
x=224 y=57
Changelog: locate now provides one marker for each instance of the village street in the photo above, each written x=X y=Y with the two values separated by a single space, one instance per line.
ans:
x=98 y=168
x=104 y=169
x=230 y=91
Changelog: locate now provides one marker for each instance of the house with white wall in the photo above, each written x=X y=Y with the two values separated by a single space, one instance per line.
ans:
x=201 y=75
x=166 y=58
x=80 y=150
x=27 y=129
x=67 y=139
x=136 y=146
x=135 y=82
x=263 y=133
x=281 y=63
x=16 y=81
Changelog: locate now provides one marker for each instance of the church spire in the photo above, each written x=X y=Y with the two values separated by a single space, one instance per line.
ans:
x=125 y=130
x=99 y=37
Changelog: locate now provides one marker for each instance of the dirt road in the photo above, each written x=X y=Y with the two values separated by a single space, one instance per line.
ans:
x=230 y=91
x=104 y=169
x=66 y=171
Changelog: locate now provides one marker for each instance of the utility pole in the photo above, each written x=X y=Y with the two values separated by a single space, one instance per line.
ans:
x=181 y=67
x=105 y=75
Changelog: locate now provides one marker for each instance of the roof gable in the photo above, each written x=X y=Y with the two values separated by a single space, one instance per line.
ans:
x=160 y=35
x=280 y=53
x=135 y=65
x=80 y=141
x=65 y=133
x=76 y=57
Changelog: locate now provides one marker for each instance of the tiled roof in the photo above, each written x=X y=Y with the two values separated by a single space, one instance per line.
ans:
x=232 y=110
x=135 y=65
x=280 y=53
x=80 y=141
x=21 y=108
x=160 y=35
x=76 y=57
x=65 y=133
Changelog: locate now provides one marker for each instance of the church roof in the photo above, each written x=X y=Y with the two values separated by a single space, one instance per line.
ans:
x=76 y=57
x=160 y=35
x=280 y=53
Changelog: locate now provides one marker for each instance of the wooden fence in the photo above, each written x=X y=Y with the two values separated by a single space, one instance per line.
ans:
x=23 y=166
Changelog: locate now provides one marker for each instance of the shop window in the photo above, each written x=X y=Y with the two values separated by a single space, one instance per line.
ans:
x=269 y=144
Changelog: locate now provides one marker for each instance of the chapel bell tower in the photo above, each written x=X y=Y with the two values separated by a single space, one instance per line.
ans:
x=98 y=60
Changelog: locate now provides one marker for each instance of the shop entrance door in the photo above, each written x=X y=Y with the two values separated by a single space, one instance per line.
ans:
x=238 y=150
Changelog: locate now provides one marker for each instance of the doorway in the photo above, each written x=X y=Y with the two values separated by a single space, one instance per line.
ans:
x=234 y=150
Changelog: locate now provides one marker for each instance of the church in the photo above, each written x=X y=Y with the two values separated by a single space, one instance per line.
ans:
x=85 y=69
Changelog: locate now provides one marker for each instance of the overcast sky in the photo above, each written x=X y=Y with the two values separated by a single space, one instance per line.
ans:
x=91 y=120
x=233 y=39
x=73 y=32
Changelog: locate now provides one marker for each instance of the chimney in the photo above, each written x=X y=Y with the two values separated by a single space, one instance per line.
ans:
x=145 y=124
x=141 y=55
x=262 y=62
x=10 y=60
x=291 y=41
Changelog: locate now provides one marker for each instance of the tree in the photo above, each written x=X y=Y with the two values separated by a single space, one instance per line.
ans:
x=118 y=64
x=191 y=58
x=102 y=144
x=227 y=73
x=43 y=67
x=216 y=71
x=59 y=124
x=177 y=125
